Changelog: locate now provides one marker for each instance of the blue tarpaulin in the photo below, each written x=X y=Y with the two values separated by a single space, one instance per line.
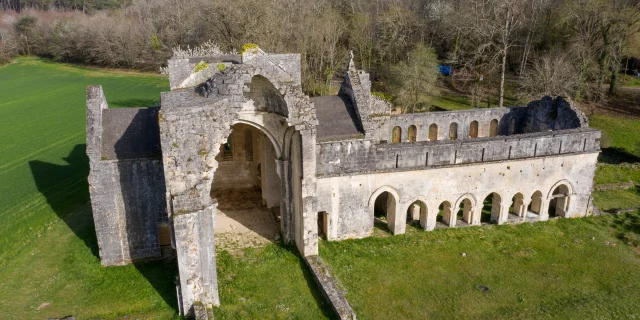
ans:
x=446 y=70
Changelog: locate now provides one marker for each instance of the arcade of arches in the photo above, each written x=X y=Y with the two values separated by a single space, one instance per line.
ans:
x=493 y=209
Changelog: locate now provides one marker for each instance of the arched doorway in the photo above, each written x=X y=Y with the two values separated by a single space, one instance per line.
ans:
x=491 y=207
x=535 y=207
x=517 y=209
x=559 y=202
x=384 y=211
x=417 y=213
x=464 y=213
x=247 y=188
x=444 y=218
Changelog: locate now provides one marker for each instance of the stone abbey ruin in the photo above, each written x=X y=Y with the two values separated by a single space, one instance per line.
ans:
x=237 y=133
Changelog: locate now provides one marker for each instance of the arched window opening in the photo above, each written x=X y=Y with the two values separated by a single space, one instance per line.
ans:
x=453 y=131
x=491 y=208
x=433 y=132
x=493 y=128
x=535 y=206
x=413 y=133
x=384 y=211
x=444 y=217
x=473 y=129
x=464 y=213
x=559 y=203
x=396 y=135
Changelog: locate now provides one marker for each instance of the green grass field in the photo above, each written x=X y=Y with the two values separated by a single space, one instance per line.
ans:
x=48 y=250
x=561 y=269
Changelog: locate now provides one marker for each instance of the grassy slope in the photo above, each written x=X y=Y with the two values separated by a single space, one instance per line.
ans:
x=560 y=269
x=48 y=249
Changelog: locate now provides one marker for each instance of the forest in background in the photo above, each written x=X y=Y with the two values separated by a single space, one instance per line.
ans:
x=574 y=48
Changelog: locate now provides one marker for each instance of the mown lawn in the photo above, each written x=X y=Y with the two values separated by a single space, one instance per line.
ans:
x=561 y=269
x=48 y=250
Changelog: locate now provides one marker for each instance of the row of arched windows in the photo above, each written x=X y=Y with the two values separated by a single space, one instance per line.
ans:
x=412 y=134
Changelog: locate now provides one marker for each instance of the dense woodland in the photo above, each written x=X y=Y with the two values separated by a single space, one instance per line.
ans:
x=574 y=48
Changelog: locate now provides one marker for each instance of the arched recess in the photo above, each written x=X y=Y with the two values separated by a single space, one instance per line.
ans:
x=412 y=133
x=396 y=135
x=445 y=215
x=433 y=132
x=518 y=206
x=493 y=128
x=266 y=97
x=535 y=206
x=473 y=129
x=465 y=209
x=417 y=212
x=383 y=205
x=491 y=208
x=453 y=131
x=559 y=199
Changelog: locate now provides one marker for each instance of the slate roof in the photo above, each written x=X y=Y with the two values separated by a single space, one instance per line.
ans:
x=337 y=120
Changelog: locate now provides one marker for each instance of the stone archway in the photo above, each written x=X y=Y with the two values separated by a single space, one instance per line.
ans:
x=193 y=127
x=247 y=187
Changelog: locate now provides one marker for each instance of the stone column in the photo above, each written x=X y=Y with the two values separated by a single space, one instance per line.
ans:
x=195 y=248
x=309 y=200
x=270 y=182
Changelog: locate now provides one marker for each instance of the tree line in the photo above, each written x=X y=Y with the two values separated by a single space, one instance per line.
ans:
x=560 y=47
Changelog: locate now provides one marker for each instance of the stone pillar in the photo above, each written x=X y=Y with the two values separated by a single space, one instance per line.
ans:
x=194 y=239
x=544 y=209
x=428 y=221
x=448 y=217
x=496 y=210
x=504 y=212
x=396 y=218
x=309 y=245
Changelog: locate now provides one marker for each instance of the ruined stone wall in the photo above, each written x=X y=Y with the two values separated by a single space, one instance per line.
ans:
x=543 y=115
x=349 y=199
x=127 y=192
x=362 y=156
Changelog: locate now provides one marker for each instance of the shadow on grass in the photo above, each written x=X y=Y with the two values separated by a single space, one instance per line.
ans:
x=617 y=156
x=311 y=283
x=66 y=189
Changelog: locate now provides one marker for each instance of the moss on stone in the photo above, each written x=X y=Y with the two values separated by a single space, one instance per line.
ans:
x=249 y=47
x=200 y=66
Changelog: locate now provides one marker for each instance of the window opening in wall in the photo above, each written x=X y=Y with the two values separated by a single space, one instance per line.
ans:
x=227 y=149
x=248 y=144
x=413 y=133
x=512 y=125
x=493 y=128
x=473 y=129
x=453 y=131
x=323 y=224
x=396 y=135
x=433 y=132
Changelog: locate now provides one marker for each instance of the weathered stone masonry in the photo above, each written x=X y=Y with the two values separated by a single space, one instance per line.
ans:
x=337 y=162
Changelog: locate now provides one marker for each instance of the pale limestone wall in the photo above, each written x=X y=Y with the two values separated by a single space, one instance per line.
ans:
x=349 y=199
